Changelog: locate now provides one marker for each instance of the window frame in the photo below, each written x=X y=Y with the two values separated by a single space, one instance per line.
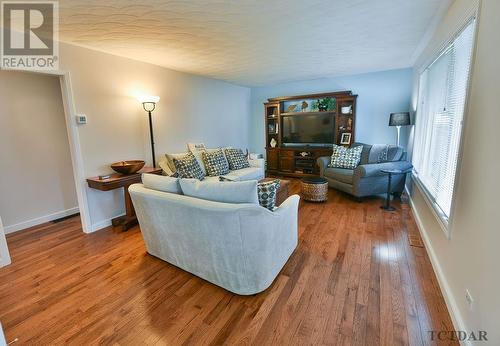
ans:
x=446 y=223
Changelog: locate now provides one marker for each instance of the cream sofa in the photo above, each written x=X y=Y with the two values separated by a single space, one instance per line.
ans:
x=256 y=171
x=240 y=247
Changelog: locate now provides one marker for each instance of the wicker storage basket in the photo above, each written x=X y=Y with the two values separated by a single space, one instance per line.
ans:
x=315 y=190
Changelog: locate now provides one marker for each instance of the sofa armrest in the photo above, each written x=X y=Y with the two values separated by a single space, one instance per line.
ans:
x=375 y=169
x=256 y=163
x=323 y=163
x=290 y=205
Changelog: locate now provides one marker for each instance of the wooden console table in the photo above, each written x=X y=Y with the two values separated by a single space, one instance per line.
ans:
x=117 y=181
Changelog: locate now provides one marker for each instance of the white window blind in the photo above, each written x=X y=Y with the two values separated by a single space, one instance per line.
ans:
x=442 y=94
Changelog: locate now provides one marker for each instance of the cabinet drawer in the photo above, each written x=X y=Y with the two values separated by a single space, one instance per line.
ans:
x=286 y=153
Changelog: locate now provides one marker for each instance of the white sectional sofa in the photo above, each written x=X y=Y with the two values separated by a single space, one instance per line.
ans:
x=239 y=246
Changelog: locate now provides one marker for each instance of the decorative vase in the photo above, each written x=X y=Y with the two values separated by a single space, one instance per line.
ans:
x=273 y=143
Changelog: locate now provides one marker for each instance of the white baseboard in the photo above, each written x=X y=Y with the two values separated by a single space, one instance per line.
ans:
x=103 y=224
x=451 y=304
x=33 y=222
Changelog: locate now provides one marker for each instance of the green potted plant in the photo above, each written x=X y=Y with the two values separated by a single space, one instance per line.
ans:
x=325 y=104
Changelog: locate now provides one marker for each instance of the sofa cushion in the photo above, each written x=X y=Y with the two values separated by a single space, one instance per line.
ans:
x=267 y=193
x=343 y=157
x=236 y=158
x=215 y=163
x=161 y=183
x=343 y=175
x=226 y=192
x=187 y=167
x=249 y=173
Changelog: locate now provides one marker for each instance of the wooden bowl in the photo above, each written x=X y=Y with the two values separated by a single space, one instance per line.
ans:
x=128 y=167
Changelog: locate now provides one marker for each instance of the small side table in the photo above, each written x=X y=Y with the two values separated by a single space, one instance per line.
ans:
x=314 y=189
x=390 y=172
x=117 y=181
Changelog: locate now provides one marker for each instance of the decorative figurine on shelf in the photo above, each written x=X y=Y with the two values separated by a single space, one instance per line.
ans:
x=291 y=108
x=304 y=106
x=273 y=143
x=349 y=124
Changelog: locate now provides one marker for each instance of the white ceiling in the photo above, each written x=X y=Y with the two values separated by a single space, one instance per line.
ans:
x=253 y=42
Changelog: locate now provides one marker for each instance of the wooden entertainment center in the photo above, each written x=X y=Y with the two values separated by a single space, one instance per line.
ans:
x=299 y=159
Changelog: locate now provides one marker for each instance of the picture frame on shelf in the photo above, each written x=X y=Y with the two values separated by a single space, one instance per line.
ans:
x=271 y=128
x=345 y=138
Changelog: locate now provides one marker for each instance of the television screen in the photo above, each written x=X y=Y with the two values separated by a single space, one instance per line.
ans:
x=308 y=129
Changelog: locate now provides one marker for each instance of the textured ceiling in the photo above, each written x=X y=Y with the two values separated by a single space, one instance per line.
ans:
x=253 y=42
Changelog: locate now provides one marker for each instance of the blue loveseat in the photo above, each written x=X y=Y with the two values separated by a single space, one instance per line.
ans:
x=367 y=179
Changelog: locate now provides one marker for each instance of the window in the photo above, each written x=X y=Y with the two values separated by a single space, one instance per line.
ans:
x=442 y=94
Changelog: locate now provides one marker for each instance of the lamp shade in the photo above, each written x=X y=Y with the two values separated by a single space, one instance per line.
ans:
x=148 y=99
x=399 y=119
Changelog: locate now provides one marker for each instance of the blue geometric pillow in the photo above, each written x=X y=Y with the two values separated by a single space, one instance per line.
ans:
x=267 y=193
x=236 y=158
x=343 y=157
x=215 y=163
x=188 y=167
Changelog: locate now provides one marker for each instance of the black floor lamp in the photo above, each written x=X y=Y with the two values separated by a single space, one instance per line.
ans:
x=149 y=105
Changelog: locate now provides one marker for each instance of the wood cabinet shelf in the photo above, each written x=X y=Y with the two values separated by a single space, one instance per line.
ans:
x=286 y=160
x=307 y=113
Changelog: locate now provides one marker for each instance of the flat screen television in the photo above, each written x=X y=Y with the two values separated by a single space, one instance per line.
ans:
x=308 y=129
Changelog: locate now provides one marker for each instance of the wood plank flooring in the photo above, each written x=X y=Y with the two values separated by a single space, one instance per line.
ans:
x=353 y=280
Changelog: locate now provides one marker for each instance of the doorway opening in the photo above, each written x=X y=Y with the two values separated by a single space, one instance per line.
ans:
x=37 y=183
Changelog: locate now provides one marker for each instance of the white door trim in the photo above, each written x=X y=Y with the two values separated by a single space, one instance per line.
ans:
x=4 y=250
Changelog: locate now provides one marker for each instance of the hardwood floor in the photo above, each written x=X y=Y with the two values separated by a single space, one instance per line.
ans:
x=353 y=279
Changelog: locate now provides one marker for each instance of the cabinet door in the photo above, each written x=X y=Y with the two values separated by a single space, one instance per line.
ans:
x=287 y=164
x=272 y=160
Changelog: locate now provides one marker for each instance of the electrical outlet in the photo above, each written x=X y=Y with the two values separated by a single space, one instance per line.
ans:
x=468 y=298
x=81 y=119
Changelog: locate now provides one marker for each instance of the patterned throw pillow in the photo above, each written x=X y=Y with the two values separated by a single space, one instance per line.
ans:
x=236 y=158
x=343 y=157
x=215 y=163
x=187 y=167
x=267 y=193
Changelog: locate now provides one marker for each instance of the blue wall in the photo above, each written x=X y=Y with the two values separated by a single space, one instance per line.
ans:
x=379 y=94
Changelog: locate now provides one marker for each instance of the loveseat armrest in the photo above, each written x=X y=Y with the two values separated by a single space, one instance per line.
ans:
x=323 y=163
x=375 y=169
x=256 y=163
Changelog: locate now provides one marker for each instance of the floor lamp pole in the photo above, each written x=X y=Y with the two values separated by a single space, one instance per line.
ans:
x=152 y=138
